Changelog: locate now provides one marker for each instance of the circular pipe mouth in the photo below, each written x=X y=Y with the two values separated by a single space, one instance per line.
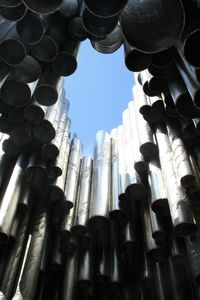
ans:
x=97 y=26
x=20 y=137
x=98 y=222
x=46 y=50
x=117 y=215
x=30 y=29
x=46 y=95
x=55 y=193
x=137 y=61
x=161 y=207
x=158 y=254
x=10 y=148
x=65 y=64
x=28 y=71
x=76 y=29
x=8 y=3
x=33 y=114
x=186 y=108
x=185 y=229
x=50 y=151
x=54 y=172
x=43 y=6
x=44 y=131
x=103 y=8
x=163 y=59
x=191 y=48
x=12 y=52
x=13 y=13
x=15 y=93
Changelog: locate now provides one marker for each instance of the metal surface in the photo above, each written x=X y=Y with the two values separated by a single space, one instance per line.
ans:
x=36 y=171
x=148 y=36
x=101 y=187
x=104 y=9
x=69 y=8
x=13 y=13
x=43 y=6
x=46 y=50
x=76 y=29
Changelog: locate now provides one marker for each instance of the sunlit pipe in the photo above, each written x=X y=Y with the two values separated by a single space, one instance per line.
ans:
x=159 y=201
x=76 y=29
x=15 y=93
x=16 y=115
x=12 y=41
x=156 y=36
x=13 y=13
x=69 y=8
x=6 y=167
x=65 y=64
x=10 y=148
x=111 y=43
x=34 y=113
x=28 y=71
x=36 y=171
x=68 y=290
x=134 y=188
x=98 y=26
x=48 y=87
x=188 y=77
x=180 y=210
x=140 y=164
x=51 y=151
x=85 y=268
x=10 y=197
x=27 y=284
x=57 y=167
x=101 y=187
x=83 y=197
x=180 y=155
x=135 y=60
x=46 y=49
x=156 y=251
x=43 y=6
x=16 y=254
x=181 y=97
x=104 y=9
x=115 y=212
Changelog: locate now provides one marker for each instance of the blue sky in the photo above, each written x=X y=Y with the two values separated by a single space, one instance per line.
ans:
x=98 y=92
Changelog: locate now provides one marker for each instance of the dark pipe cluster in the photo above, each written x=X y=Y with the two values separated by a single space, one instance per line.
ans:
x=124 y=224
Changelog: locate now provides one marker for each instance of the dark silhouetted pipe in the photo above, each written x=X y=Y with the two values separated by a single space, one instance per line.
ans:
x=69 y=8
x=104 y=8
x=135 y=60
x=13 y=13
x=28 y=71
x=46 y=50
x=76 y=29
x=10 y=148
x=149 y=30
x=111 y=43
x=36 y=171
x=43 y=6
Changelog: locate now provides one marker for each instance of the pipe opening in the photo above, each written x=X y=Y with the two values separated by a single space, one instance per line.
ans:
x=192 y=49
x=12 y=52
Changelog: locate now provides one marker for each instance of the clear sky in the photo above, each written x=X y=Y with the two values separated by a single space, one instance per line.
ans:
x=98 y=92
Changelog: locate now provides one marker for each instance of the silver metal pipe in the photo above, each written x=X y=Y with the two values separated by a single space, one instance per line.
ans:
x=71 y=183
x=10 y=197
x=101 y=185
x=180 y=210
x=83 y=197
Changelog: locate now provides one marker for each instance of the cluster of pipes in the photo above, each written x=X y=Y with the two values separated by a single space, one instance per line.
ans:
x=124 y=224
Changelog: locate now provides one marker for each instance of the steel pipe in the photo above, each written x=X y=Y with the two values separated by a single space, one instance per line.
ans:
x=43 y=6
x=16 y=115
x=143 y=79
x=46 y=49
x=101 y=188
x=10 y=148
x=76 y=29
x=111 y=43
x=34 y=113
x=48 y=87
x=152 y=36
x=9 y=3
x=157 y=226
x=83 y=197
x=13 y=13
x=85 y=268
x=69 y=8
x=135 y=60
x=10 y=197
x=36 y=171
x=103 y=9
x=188 y=130
x=21 y=135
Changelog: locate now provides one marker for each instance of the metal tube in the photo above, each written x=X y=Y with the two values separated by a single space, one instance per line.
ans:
x=65 y=64
x=83 y=197
x=163 y=59
x=36 y=171
x=48 y=87
x=160 y=34
x=72 y=175
x=85 y=268
x=10 y=148
x=21 y=135
x=9 y=3
x=11 y=196
x=28 y=71
x=98 y=26
x=13 y=13
x=135 y=60
x=34 y=113
x=16 y=115
x=157 y=109
x=159 y=201
x=76 y=29
x=180 y=155
x=104 y=9
x=69 y=8
x=157 y=226
x=5 y=125
x=115 y=212
x=56 y=262
x=111 y=43
x=188 y=130
x=181 y=213
x=101 y=187
x=43 y=6
x=143 y=79
x=46 y=49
